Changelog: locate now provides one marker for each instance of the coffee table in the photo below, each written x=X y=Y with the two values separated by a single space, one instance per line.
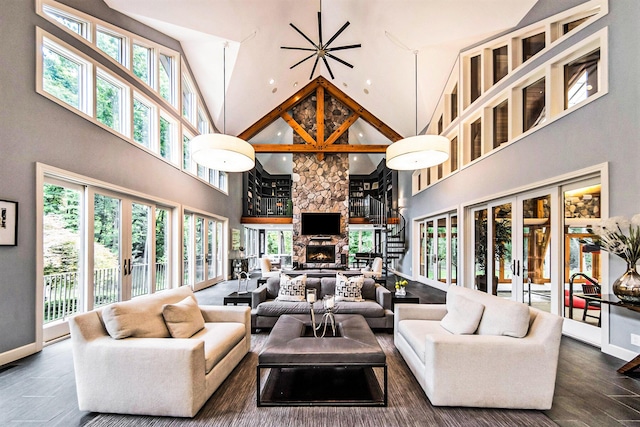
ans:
x=329 y=371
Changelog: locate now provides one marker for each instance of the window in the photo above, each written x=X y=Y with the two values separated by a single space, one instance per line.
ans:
x=168 y=132
x=203 y=122
x=69 y=21
x=532 y=45
x=500 y=63
x=189 y=101
x=570 y=26
x=533 y=108
x=476 y=139
x=142 y=56
x=110 y=102
x=186 y=153
x=476 y=76
x=440 y=125
x=112 y=44
x=166 y=77
x=163 y=248
x=454 y=103
x=142 y=122
x=64 y=75
x=501 y=123
x=581 y=78
x=440 y=170
x=454 y=154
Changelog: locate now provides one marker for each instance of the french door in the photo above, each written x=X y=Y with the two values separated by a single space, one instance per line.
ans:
x=515 y=248
x=100 y=247
x=204 y=240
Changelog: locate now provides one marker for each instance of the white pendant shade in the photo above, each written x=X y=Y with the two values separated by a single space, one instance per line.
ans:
x=417 y=152
x=223 y=152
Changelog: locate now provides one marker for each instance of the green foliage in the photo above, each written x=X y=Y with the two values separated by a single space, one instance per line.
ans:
x=141 y=62
x=141 y=123
x=165 y=138
x=61 y=77
x=58 y=309
x=108 y=104
x=109 y=44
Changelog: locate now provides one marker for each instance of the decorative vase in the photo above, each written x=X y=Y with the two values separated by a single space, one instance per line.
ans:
x=401 y=291
x=627 y=286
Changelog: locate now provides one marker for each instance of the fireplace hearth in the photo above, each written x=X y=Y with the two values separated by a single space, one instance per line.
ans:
x=324 y=254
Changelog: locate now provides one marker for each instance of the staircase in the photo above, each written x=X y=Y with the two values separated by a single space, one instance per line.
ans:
x=393 y=225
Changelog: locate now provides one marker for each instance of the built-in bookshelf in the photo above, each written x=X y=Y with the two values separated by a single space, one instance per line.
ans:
x=266 y=194
x=380 y=184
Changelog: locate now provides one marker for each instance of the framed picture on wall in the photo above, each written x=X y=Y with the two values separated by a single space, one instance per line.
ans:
x=366 y=186
x=8 y=223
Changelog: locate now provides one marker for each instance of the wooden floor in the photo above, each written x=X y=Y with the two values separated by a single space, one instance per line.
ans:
x=40 y=389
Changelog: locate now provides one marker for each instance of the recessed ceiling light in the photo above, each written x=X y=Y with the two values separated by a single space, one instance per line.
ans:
x=279 y=133
x=366 y=91
x=355 y=158
x=272 y=81
x=369 y=82
x=360 y=135
x=274 y=90
x=284 y=158
x=345 y=84
x=295 y=84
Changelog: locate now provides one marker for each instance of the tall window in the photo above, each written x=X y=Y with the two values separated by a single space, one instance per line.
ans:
x=189 y=101
x=110 y=103
x=570 y=26
x=476 y=139
x=63 y=75
x=163 y=247
x=142 y=56
x=142 y=122
x=440 y=125
x=476 y=78
x=581 y=78
x=453 y=151
x=71 y=22
x=533 y=108
x=112 y=44
x=532 y=45
x=454 y=103
x=501 y=123
x=500 y=63
x=166 y=74
x=168 y=134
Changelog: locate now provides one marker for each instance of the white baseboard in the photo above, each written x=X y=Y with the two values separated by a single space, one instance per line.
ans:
x=18 y=353
x=619 y=352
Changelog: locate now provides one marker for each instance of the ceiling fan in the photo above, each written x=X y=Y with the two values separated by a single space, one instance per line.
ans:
x=320 y=49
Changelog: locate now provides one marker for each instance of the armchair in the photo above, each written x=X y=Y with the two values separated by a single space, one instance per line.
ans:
x=267 y=269
x=376 y=269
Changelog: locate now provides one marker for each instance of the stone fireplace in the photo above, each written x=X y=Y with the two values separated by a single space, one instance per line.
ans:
x=321 y=254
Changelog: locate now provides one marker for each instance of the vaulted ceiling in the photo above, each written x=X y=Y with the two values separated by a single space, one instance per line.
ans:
x=382 y=78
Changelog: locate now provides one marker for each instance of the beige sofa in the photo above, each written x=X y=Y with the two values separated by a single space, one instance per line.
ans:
x=480 y=350
x=143 y=370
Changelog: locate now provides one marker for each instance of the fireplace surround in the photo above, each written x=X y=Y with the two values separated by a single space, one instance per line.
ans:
x=321 y=254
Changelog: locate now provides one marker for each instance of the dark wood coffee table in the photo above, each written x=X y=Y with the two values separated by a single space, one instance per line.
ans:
x=329 y=371
x=235 y=298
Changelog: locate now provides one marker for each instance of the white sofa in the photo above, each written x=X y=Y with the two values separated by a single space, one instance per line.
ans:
x=501 y=353
x=146 y=371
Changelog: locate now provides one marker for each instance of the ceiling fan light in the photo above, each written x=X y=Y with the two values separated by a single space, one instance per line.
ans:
x=417 y=152
x=222 y=152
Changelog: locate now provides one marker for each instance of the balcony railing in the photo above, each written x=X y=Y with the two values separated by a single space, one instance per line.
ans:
x=61 y=290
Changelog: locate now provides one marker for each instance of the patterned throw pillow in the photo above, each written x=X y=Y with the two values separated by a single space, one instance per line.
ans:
x=292 y=289
x=349 y=288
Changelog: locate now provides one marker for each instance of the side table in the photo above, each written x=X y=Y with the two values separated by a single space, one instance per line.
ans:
x=407 y=298
x=234 y=298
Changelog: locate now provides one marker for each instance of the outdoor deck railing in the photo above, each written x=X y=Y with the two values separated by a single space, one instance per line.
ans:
x=61 y=290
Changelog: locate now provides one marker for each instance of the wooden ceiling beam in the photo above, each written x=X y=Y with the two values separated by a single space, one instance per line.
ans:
x=341 y=129
x=320 y=116
x=307 y=148
x=298 y=129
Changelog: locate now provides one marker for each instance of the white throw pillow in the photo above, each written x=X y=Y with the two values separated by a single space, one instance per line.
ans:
x=463 y=315
x=349 y=288
x=292 y=289
x=183 y=319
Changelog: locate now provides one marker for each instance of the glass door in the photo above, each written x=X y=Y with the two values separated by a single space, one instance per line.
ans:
x=501 y=250
x=141 y=232
x=203 y=250
x=108 y=262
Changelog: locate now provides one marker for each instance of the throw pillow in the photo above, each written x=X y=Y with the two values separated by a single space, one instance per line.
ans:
x=349 y=288
x=463 y=315
x=292 y=289
x=183 y=319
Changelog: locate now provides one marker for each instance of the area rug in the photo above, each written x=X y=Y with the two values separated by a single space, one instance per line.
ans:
x=234 y=404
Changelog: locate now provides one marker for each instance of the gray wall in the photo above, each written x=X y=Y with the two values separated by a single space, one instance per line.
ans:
x=606 y=130
x=35 y=129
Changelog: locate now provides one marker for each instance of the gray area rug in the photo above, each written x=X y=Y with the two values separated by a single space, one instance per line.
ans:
x=234 y=404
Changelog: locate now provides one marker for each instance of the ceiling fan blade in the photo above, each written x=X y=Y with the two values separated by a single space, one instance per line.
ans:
x=313 y=70
x=300 y=62
x=351 y=46
x=339 y=60
x=303 y=35
x=338 y=33
x=328 y=68
x=299 y=48
x=320 y=28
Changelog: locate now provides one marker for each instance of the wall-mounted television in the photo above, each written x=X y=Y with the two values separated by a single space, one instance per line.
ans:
x=319 y=223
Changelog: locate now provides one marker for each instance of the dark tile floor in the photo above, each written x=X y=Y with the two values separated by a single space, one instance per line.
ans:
x=40 y=389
